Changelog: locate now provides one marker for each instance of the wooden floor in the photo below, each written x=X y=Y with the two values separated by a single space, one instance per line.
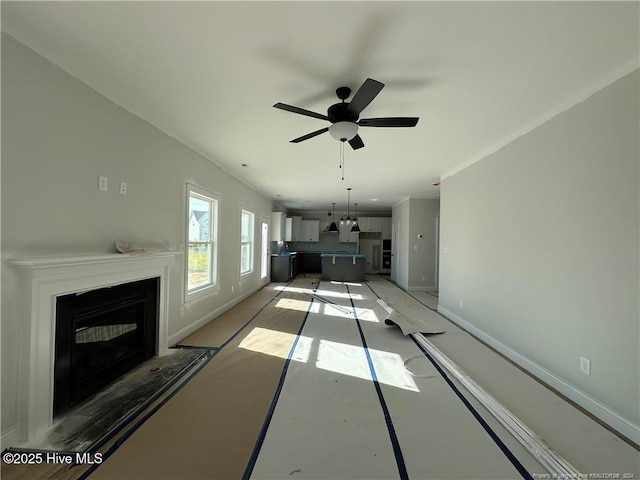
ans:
x=308 y=382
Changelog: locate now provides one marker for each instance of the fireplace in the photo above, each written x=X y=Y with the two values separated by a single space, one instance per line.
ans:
x=44 y=280
x=101 y=335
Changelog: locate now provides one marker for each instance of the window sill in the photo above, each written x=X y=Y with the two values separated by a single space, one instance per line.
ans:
x=209 y=291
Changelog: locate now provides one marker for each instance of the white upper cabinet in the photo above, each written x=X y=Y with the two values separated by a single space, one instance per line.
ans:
x=310 y=231
x=346 y=235
x=278 y=220
x=293 y=230
x=370 y=224
x=386 y=227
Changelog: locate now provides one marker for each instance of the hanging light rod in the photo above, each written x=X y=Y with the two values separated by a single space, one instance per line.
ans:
x=347 y=221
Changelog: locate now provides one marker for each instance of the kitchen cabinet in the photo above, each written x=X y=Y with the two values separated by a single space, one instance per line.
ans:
x=282 y=267
x=310 y=231
x=370 y=224
x=311 y=262
x=346 y=235
x=278 y=220
x=386 y=227
x=293 y=229
x=343 y=267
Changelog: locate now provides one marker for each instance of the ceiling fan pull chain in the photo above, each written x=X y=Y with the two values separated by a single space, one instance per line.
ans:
x=342 y=164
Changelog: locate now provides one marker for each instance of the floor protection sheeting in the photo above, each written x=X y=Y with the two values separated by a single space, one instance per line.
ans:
x=308 y=382
x=331 y=422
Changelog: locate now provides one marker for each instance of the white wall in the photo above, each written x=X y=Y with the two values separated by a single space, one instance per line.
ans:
x=416 y=256
x=58 y=136
x=542 y=243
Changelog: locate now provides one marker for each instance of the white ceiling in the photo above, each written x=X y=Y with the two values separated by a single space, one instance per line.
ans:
x=208 y=73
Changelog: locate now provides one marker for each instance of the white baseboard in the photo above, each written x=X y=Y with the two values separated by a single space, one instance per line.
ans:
x=189 y=329
x=421 y=288
x=599 y=410
x=10 y=437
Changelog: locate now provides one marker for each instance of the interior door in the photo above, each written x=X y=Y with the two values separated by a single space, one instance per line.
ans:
x=264 y=248
x=395 y=229
x=437 y=251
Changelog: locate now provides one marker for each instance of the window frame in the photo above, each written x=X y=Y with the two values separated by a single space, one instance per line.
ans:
x=214 y=200
x=252 y=242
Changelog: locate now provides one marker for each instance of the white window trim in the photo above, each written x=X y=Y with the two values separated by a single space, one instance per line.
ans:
x=213 y=287
x=252 y=270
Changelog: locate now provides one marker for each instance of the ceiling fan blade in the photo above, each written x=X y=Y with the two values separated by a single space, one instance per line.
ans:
x=356 y=142
x=301 y=111
x=367 y=92
x=389 y=122
x=310 y=135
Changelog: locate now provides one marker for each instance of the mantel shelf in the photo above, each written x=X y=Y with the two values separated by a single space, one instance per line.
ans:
x=69 y=260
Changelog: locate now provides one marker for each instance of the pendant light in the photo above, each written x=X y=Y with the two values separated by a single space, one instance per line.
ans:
x=333 y=227
x=355 y=227
x=347 y=221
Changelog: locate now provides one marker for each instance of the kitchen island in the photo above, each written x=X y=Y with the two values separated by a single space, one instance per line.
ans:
x=343 y=267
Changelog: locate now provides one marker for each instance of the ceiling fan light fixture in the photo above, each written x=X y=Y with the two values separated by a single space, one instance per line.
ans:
x=343 y=131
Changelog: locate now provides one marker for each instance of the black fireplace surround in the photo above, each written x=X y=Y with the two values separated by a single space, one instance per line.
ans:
x=100 y=335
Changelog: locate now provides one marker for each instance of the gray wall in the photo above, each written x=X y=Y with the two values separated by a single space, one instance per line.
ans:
x=58 y=136
x=542 y=246
x=416 y=257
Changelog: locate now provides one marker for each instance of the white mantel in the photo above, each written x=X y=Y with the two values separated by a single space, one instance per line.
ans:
x=42 y=280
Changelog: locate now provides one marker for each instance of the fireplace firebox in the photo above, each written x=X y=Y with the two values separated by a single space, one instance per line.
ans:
x=100 y=335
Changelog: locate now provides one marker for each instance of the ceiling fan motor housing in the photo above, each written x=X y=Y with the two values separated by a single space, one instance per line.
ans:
x=340 y=112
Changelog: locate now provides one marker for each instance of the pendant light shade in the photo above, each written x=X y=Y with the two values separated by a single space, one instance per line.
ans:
x=333 y=227
x=355 y=227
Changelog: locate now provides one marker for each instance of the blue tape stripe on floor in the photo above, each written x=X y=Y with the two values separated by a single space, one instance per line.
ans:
x=512 y=458
x=224 y=344
x=397 y=451
x=494 y=436
x=265 y=426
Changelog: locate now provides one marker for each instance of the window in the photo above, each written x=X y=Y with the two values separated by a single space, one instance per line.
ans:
x=202 y=247
x=246 y=242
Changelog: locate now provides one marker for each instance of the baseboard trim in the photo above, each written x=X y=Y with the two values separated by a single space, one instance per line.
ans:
x=421 y=288
x=10 y=437
x=202 y=321
x=584 y=400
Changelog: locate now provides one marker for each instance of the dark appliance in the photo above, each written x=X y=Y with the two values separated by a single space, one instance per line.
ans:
x=386 y=256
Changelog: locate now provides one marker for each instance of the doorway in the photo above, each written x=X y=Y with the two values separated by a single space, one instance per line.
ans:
x=264 y=248
x=395 y=229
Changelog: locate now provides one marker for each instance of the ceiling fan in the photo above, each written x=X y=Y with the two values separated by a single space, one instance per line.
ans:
x=344 y=115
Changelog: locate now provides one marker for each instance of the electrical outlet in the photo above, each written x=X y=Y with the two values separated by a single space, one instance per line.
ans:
x=461 y=304
x=231 y=288
x=181 y=312
x=585 y=366
x=123 y=188
x=103 y=183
